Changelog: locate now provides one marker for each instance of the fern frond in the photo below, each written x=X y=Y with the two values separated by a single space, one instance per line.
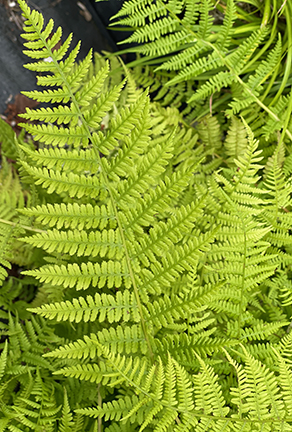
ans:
x=114 y=410
x=60 y=159
x=236 y=141
x=203 y=64
x=13 y=197
x=158 y=200
x=164 y=235
x=180 y=259
x=3 y=360
x=130 y=340
x=158 y=385
x=257 y=382
x=224 y=37
x=280 y=111
x=220 y=80
x=159 y=28
x=206 y=20
x=8 y=140
x=66 y=422
x=177 y=246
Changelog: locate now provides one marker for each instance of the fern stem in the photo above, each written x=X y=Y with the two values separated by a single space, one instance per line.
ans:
x=22 y=226
x=99 y=401
x=136 y=291
x=289 y=55
x=266 y=14
x=104 y=175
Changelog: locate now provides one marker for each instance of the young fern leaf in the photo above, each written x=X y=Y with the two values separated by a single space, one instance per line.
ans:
x=242 y=256
x=66 y=422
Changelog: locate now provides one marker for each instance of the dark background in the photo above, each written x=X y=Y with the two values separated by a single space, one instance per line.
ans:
x=85 y=18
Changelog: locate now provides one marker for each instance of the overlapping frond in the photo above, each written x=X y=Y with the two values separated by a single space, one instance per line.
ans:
x=205 y=47
x=165 y=393
x=242 y=255
x=12 y=198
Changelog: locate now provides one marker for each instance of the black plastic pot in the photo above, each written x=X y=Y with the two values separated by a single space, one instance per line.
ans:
x=86 y=19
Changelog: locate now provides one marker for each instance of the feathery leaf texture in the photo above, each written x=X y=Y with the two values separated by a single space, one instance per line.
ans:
x=182 y=252
x=194 y=50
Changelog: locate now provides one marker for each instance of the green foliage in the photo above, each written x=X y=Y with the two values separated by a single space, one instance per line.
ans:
x=152 y=284
x=207 y=56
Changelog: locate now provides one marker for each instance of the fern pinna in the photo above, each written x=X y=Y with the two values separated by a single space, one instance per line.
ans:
x=149 y=273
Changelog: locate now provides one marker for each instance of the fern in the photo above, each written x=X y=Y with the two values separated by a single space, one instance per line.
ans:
x=163 y=251
x=167 y=393
x=210 y=47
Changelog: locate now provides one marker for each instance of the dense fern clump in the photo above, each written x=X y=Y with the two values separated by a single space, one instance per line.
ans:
x=152 y=285
x=208 y=56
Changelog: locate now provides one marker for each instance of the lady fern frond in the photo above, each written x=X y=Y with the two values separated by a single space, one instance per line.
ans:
x=119 y=180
